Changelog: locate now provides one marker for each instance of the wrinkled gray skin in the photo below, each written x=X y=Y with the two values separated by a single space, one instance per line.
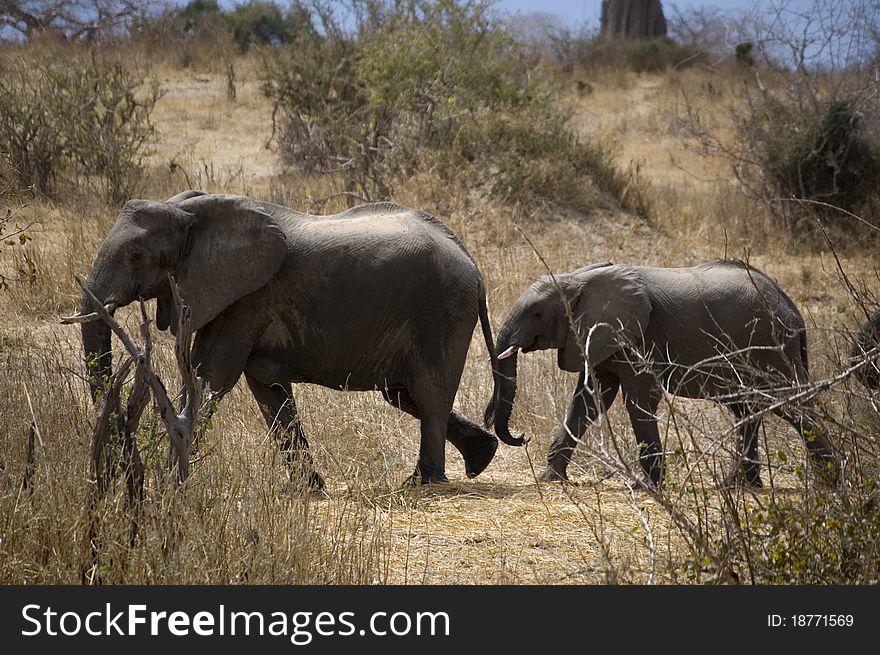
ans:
x=379 y=297
x=868 y=339
x=683 y=320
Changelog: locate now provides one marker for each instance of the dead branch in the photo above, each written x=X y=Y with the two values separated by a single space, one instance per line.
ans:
x=33 y=436
x=101 y=468
x=179 y=425
x=30 y=464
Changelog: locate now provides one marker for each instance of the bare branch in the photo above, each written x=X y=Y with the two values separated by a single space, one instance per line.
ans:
x=74 y=19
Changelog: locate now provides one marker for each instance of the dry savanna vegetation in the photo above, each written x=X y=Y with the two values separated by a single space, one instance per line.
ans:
x=541 y=158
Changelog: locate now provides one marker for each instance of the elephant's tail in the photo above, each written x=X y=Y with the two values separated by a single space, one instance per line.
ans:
x=804 y=358
x=490 y=345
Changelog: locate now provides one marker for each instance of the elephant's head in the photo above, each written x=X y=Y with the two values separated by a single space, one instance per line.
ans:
x=218 y=248
x=559 y=312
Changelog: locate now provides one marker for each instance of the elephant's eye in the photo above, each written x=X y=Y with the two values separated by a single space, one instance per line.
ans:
x=537 y=315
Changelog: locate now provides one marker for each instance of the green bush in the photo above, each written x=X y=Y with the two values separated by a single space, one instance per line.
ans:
x=198 y=13
x=827 y=539
x=75 y=116
x=264 y=23
x=530 y=157
x=593 y=54
x=804 y=121
x=325 y=123
x=36 y=102
x=660 y=54
x=256 y=22
x=819 y=155
x=430 y=83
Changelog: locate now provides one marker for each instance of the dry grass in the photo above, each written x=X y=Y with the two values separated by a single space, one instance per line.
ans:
x=237 y=520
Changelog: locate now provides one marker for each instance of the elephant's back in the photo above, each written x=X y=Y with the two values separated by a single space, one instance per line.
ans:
x=387 y=237
x=729 y=305
x=727 y=288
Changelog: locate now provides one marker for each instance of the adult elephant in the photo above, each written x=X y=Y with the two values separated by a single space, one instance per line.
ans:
x=379 y=297
x=722 y=331
x=868 y=340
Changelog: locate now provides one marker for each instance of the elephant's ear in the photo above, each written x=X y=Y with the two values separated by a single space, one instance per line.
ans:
x=612 y=298
x=234 y=249
x=185 y=195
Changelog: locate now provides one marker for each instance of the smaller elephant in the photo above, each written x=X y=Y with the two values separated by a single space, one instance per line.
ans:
x=867 y=340
x=722 y=331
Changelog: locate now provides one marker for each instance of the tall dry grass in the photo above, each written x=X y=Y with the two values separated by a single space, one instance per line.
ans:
x=239 y=521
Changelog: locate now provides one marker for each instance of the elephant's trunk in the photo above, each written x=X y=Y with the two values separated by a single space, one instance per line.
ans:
x=96 y=341
x=499 y=409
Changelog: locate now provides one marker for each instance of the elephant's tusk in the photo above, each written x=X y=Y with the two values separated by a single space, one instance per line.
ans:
x=507 y=353
x=88 y=318
x=80 y=318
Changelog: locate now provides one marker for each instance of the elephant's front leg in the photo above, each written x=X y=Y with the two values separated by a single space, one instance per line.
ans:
x=582 y=410
x=821 y=452
x=279 y=411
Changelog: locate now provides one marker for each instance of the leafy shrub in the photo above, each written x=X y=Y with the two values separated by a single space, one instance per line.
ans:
x=74 y=116
x=804 y=118
x=825 y=539
x=35 y=102
x=819 y=155
x=325 y=124
x=660 y=54
x=198 y=13
x=256 y=22
x=434 y=83
x=264 y=23
x=530 y=157
x=593 y=54
x=743 y=53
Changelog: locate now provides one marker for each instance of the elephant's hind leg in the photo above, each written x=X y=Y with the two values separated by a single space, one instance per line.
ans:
x=748 y=468
x=431 y=467
x=582 y=410
x=477 y=447
x=279 y=411
x=821 y=452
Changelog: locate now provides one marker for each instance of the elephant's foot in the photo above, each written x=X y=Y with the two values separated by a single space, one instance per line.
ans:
x=653 y=467
x=309 y=480
x=745 y=475
x=826 y=470
x=551 y=474
x=477 y=447
x=306 y=477
x=418 y=479
x=316 y=482
x=479 y=454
